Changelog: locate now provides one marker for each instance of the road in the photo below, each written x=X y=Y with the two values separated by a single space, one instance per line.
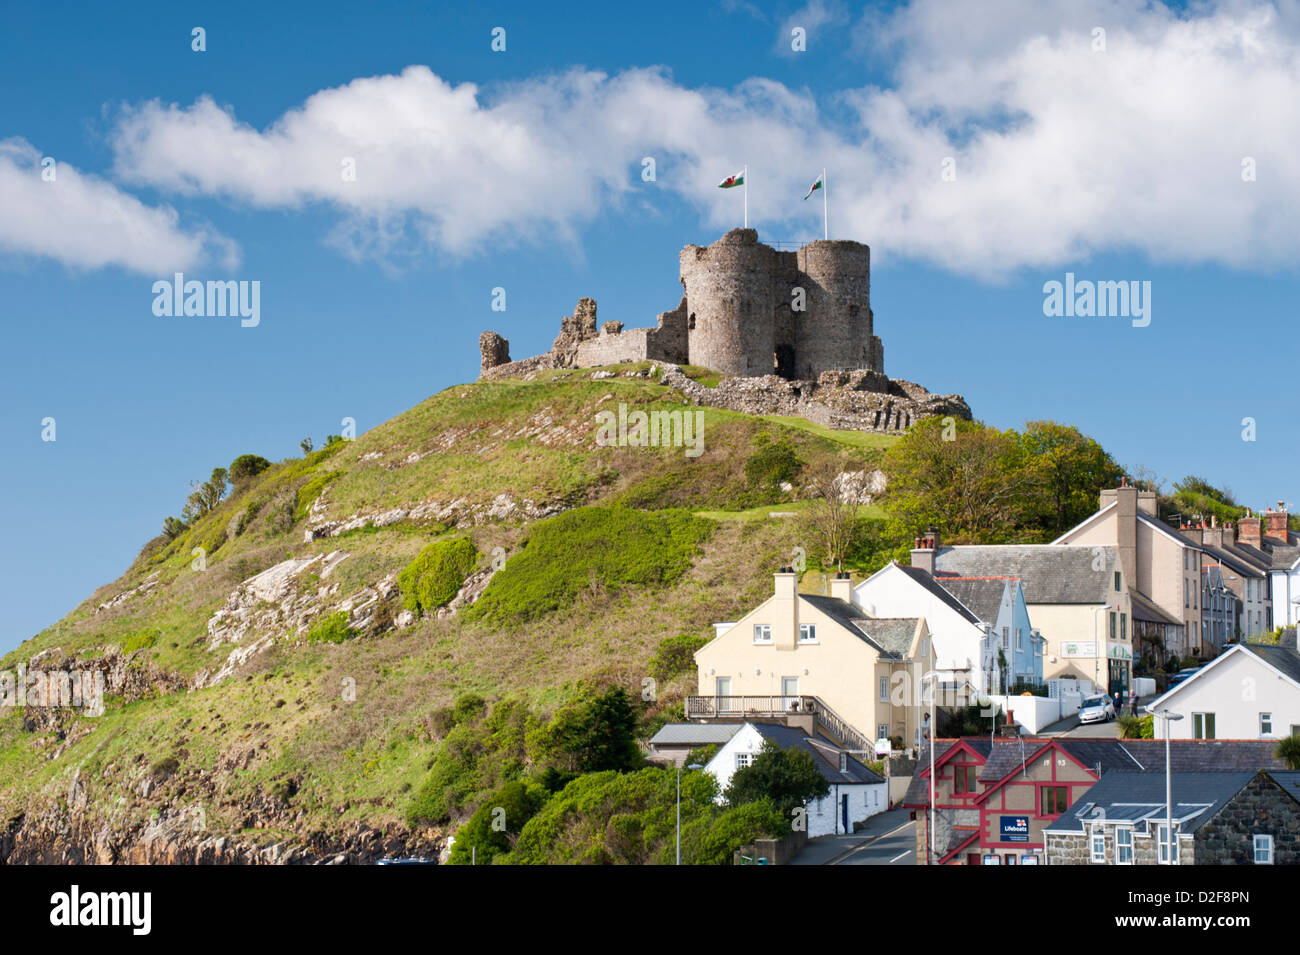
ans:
x=888 y=839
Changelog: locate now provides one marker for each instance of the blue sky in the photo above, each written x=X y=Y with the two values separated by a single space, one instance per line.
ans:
x=1116 y=164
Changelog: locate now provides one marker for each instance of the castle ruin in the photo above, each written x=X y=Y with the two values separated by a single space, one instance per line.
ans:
x=751 y=311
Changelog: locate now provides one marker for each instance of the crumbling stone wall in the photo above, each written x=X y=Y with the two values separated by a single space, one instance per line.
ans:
x=494 y=350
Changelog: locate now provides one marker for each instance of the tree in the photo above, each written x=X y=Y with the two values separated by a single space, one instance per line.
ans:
x=495 y=825
x=831 y=520
x=172 y=528
x=306 y=445
x=205 y=496
x=594 y=734
x=1070 y=469
x=964 y=477
x=246 y=467
x=1288 y=750
x=788 y=777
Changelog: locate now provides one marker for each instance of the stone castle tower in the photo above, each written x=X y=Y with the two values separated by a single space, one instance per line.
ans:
x=748 y=310
x=752 y=310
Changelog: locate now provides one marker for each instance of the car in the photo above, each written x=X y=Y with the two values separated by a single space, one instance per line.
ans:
x=1097 y=709
x=1182 y=675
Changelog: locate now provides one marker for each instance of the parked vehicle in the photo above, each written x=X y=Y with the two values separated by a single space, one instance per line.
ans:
x=1097 y=709
x=1182 y=675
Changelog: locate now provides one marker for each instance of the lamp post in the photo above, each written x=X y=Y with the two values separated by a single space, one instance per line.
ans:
x=933 y=677
x=1169 y=716
x=679 y=807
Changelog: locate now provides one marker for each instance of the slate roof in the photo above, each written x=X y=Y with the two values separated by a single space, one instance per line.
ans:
x=918 y=790
x=1285 y=658
x=939 y=590
x=1145 y=609
x=1237 y=562
x=694 y=734
x=1011 y=754
x=1206 y=755
x=891 y=634
x=1132 y=797
x=1049 y=573
x=1288 y=780
x=1284 y=556
x=823 y=751
x=983 y=595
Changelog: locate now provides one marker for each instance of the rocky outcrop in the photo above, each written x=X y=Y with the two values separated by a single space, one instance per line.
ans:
x=859 y=400
x=494 y=350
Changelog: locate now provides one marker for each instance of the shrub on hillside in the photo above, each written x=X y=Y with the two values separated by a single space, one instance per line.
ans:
x=772 y=464
x=593 y=734
x=675 y=656
x=496 y=824
x=140 y=641
x=590 y=546
x=246 y=467
x=432 y=579
x=331 y=628
x=308 y=493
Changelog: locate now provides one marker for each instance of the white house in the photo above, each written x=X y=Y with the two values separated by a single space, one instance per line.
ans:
x=856 y=792
x=1250 y=692
x=974 y=622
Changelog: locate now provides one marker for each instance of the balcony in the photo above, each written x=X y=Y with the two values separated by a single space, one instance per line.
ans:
x=783 y=708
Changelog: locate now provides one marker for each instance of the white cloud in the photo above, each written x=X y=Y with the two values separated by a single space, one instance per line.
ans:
x=84 y=222
x=1059 y=150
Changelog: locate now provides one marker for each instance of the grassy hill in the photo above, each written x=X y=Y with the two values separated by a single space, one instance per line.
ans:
x=228 y=716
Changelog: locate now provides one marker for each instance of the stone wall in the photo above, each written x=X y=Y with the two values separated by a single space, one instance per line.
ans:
x=1262 y=807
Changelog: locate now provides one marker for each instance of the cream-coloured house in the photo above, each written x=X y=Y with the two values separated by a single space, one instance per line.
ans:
x=805 y=655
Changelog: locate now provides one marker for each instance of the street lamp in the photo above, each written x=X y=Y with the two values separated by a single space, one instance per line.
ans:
x=932 y=725
x=679 y=807
x=1169 y=716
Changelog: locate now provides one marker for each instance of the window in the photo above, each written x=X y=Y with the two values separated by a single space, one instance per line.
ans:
x=1123 y=626
x=992 y=859
x=1098 y=843
x=924 y=644
x=1186 y=599
x=882 y=731
x=762 y=633
x=1295 y=729
x=807 y=633
x=1162 y=833
x=1265 y=724
x=1184 y=562
x=1263 y=850
x=1052 y=800
x=964 y=779
x=1114 y=631
x=884 y=689
x=1020 y=639
x=1203 y=726
x=1124 y=846
x=1117 y=580
x=1029 y=859
x=743 y=760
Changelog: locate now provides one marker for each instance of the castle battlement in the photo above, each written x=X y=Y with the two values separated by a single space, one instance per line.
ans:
x=747 y=310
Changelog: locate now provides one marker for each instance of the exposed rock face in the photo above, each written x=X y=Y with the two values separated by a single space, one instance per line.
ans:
x=494 y=349
x=860 y=400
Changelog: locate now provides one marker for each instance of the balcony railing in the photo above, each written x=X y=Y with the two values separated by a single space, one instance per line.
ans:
x=736 y=707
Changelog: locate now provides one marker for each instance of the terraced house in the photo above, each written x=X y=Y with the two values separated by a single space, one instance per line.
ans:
x=820 y=661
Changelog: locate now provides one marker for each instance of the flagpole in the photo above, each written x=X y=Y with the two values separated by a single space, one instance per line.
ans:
x=746 y=195
x=826 y=222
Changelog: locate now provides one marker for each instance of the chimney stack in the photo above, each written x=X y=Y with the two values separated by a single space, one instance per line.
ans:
x=1128 y=502
x=785 y=623
x=842 y=587
x=923 y=553
x=1250 y=529
x=1275 y=523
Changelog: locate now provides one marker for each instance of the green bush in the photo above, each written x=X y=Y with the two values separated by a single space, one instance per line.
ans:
x=787 y=777
x=331 y=628
x=675 y=656
x=1136 y=727
x=432 y=579
x=592 y=734
x=308 y=493
x=246 y=467
x=141 y=640
x=468 y=708
x=492 y=829
x=773 y=463
x=586 y=547
x=1288 y=750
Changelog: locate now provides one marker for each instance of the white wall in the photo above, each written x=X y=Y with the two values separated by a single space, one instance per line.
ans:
x=1236 y=689
x=864 y=800
x=1031 y=712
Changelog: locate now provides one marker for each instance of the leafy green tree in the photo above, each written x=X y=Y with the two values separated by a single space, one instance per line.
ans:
x=1197 y=498
x=246 y=467
x=788 y=777
x=306 y=445
x=1070 y=470
x=964 y=477
x=172 y=528
x=496 y=824
x=594 y=734
x=206 y=496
